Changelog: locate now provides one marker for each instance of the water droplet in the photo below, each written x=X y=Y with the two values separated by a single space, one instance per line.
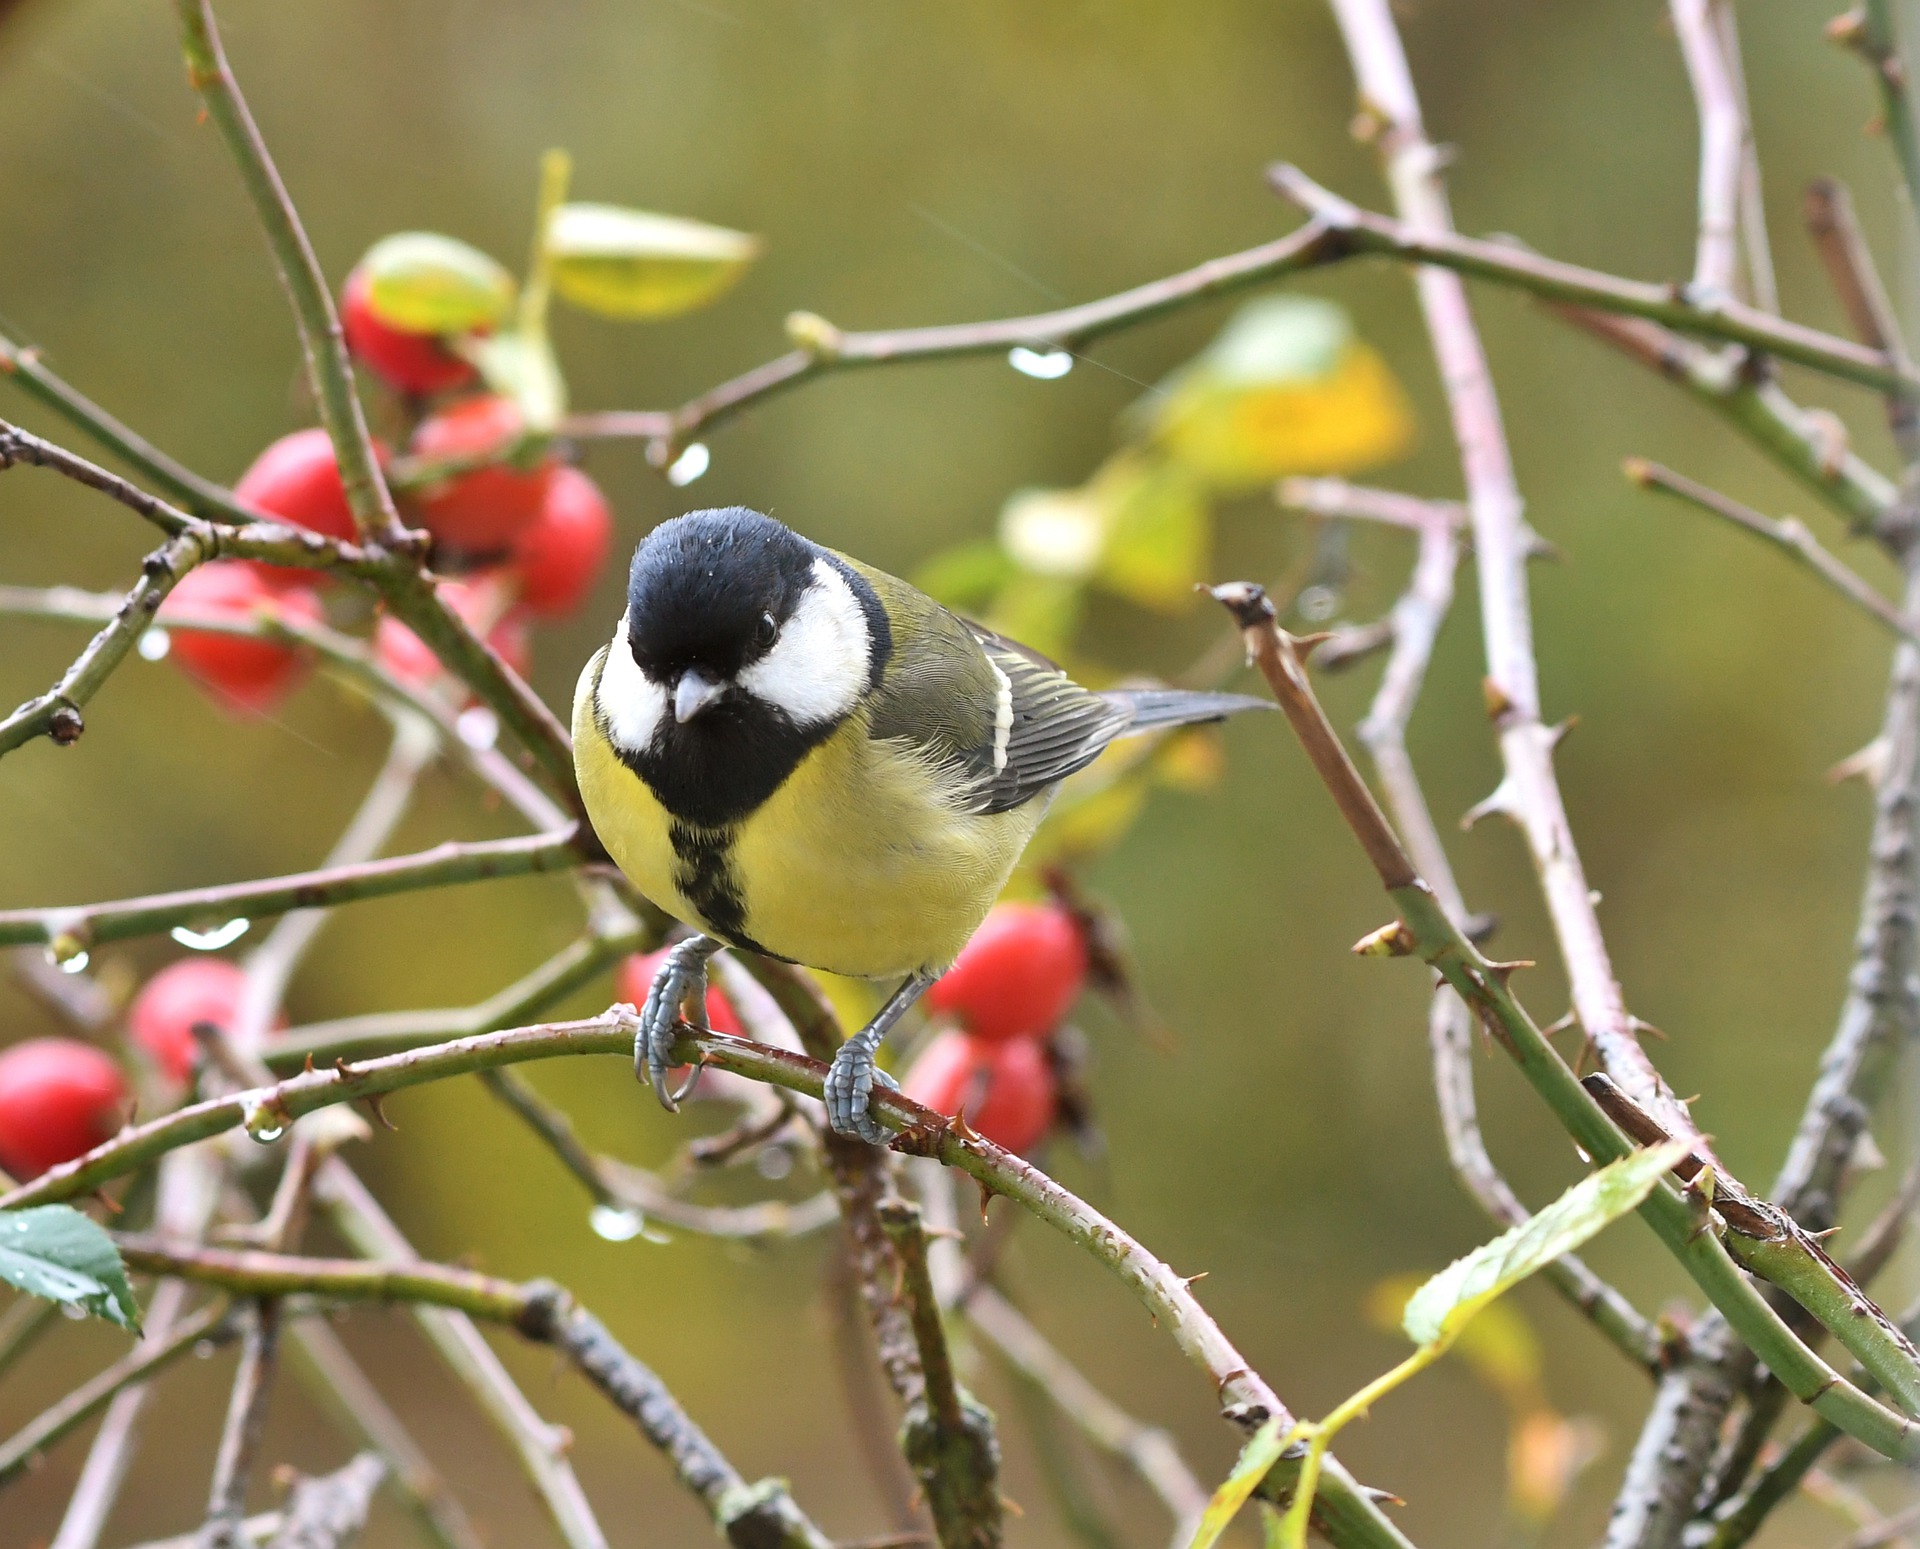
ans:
x=267 y=1134
x=213 y=938
x=479 y=727
x=1043 y=365
x=1318 y=603
x=72 y=963
x=155 y=644
x=774 y=1163
x=74 y=1311
x=204 y=1349
x=615 y=1224
x=689 y=465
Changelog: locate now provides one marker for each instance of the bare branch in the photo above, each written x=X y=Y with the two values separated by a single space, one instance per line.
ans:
x=1849 y=264
x=1870 y=32
x=1722 y=139
x=1502 y=264
x=240 y=1437
x=1787 y=533
x=84 y=925
x=328 y=1512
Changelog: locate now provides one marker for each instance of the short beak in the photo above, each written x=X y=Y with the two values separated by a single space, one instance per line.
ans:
x=692 y=694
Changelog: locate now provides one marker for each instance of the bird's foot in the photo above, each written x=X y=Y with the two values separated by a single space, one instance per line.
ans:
x=849 y=1086
x=681 y=977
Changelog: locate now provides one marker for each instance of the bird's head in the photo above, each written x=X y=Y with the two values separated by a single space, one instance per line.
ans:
x=741 y=641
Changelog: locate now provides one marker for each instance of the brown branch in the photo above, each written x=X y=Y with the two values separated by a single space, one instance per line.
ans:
x=1722 y=139
x=240 y=1436
x=1843 y=251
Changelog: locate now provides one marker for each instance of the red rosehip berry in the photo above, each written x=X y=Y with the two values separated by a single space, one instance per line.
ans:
x=479 y=512
x=636 y=978
x=1018 y=976
x=59 y=1098
x=560 y=553
x=175 y=1001
x=243 y=672
x=411 y=660
x=1007 y=1090
x=412 y=362
x=297 y=480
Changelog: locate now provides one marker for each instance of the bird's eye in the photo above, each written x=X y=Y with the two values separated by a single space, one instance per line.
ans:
x=765 y=631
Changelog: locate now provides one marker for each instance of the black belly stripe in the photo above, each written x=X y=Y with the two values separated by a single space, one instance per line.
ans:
x=703 y=872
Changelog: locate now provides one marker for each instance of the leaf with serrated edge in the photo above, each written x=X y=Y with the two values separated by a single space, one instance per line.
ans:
x=55 y=1252
x=1437 y=1312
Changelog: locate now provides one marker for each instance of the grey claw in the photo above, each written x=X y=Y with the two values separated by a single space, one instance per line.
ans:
x=682 y=977
x=849 y=1085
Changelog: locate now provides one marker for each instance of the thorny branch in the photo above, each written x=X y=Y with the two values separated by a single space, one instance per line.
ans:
x=246 y=1419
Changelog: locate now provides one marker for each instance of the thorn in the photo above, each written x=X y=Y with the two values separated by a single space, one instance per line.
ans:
x=1848 y=28
x=306 y=1069
x=1496 y=700
x=1558 y=734
x=1552 y=1029
x=1638 y=471
x=1188 y=1280
x=1583 y=1058
x=1636 y=1025
x=1505 y=971
x=372 y=1104
x=1305 y=645
x=1533 y=546
x=1869 y=765
x=1391 y=940
x=1499 y=802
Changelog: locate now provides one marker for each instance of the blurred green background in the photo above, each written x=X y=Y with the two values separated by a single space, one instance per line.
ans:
x=908 y=163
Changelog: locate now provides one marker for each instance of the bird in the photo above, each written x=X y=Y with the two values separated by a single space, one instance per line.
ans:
x=798 y=755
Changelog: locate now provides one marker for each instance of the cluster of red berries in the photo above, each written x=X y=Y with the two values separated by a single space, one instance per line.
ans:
x=59 y=1097
x=531 y=533
x=1005 y=995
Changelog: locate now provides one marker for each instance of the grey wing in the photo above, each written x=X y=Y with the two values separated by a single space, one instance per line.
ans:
x=1046 y=726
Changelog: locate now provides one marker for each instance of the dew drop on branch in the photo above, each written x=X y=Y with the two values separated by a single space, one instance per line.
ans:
x=1042 y=365
x=213 y=938
x=478 y=727
x=154 y=645
x=616 y=1224
x=689 y=465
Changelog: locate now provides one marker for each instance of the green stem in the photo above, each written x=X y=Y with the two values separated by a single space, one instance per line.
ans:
x=322 y=339
x=1879 y=42
x=556 y=172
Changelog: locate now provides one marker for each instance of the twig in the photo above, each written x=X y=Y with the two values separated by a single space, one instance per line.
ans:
x=1150 y=1451
x=1425 y=928
x=1794 y=438
x=240 y=1436
x=82 y=926
x=203 y=497
x=1876 y=1246
x=21 y=446
x=1416 y=619
x=1722 y=139
x=749 y=1516
x=342 y=1386
x=1788 y=534
x=255 y=1531
x=866 y=1393
x=329 y=1512
x=322 y=340
x=826 y=348
x=87 y=1400
x=56 y=713
x=1409 y=241
x=1753 y=210
x=1850 y=268
x=541 y=1447
x=1870 y=32
x=948 y=1438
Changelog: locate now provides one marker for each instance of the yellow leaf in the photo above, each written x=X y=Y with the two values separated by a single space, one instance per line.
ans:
x=1499 y=1344
x=1193 y=760
x=422 y=282
x=1546 y=1453
x=1285 y=389
x=633 y=264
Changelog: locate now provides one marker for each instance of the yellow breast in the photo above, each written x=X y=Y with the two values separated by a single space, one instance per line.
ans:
x=859 y=864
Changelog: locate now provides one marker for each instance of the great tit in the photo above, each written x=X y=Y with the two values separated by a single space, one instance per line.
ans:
x=801 y=756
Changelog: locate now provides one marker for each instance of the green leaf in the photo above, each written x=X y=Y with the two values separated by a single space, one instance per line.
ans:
x=423 y=282
x=1437 y=1312
x=632 y=264
x=55 y=1252
x=1261 y=1452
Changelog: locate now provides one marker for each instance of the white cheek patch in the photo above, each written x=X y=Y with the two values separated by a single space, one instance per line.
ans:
x=631 y=702
x=818 y=668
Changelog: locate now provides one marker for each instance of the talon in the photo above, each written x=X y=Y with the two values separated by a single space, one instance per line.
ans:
x=682 y=978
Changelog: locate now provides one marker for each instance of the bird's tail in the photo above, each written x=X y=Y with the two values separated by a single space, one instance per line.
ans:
x=1150 y=709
